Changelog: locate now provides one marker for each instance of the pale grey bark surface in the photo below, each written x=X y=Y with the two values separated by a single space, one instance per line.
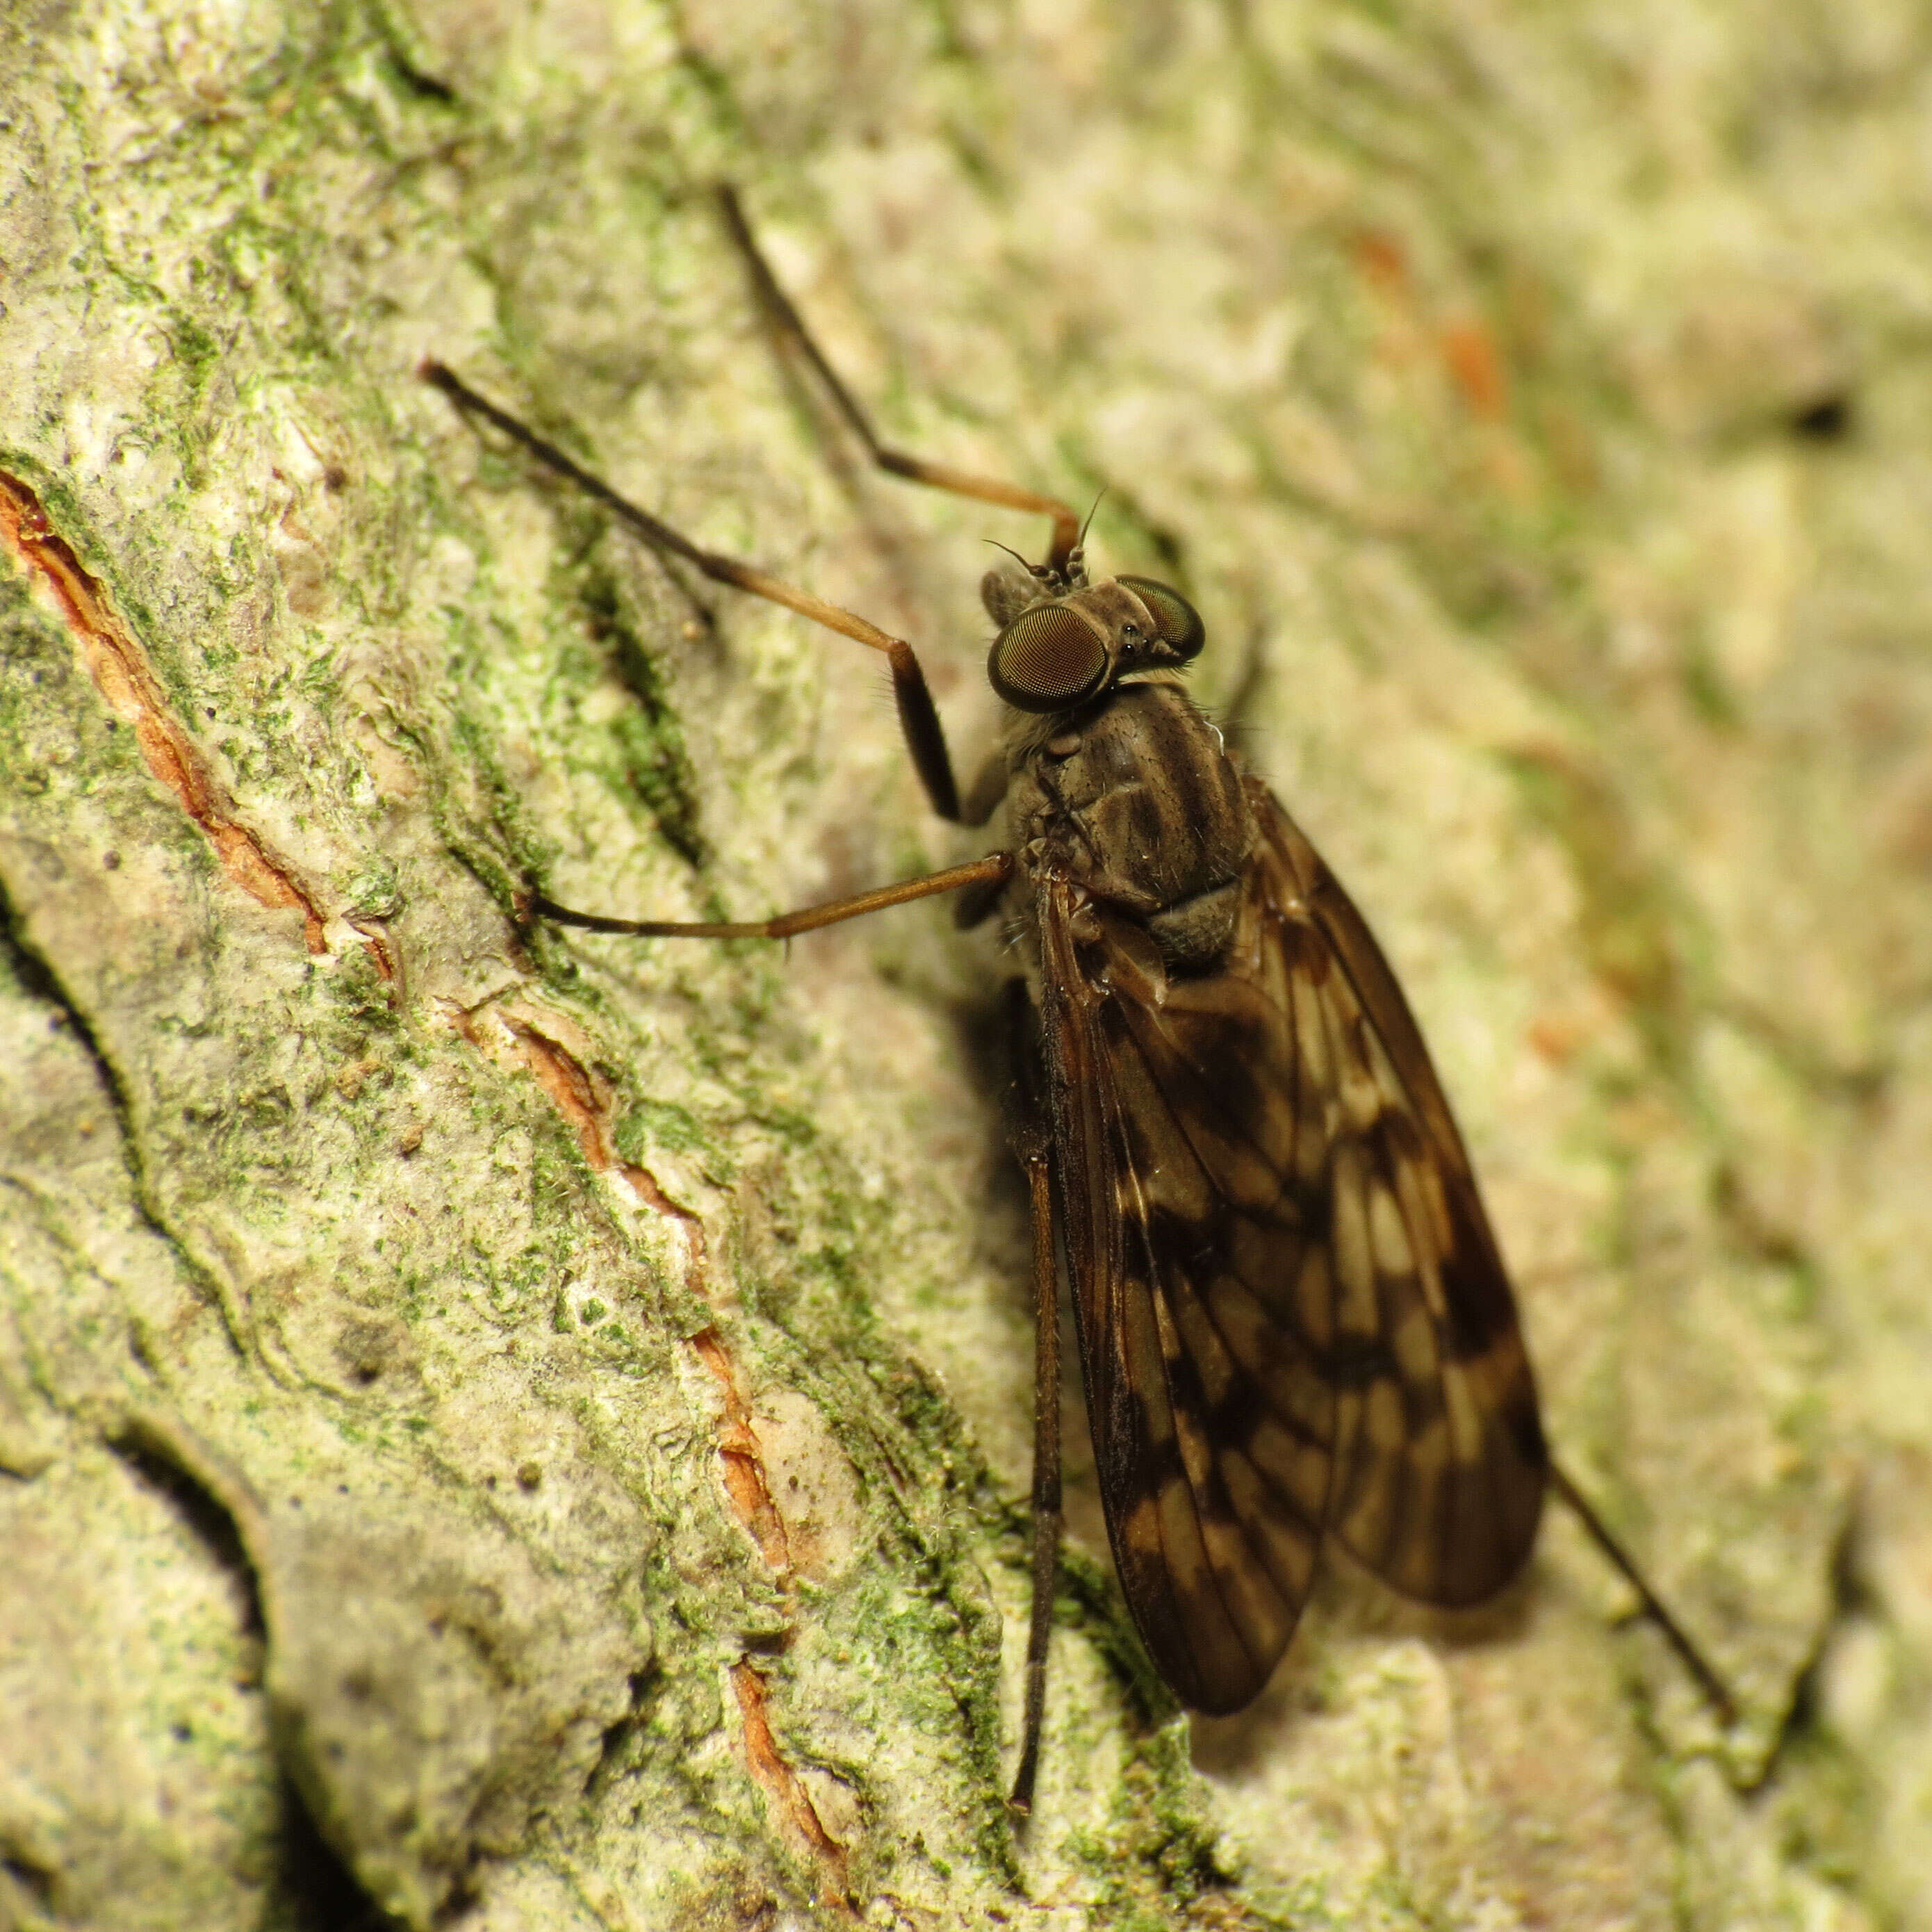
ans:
x=548 y=1417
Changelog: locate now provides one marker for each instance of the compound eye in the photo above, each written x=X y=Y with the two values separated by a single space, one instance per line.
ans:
x=1176 y=619
x=1046 y=659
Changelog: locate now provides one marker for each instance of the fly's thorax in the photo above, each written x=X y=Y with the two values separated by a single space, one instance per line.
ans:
x=1135 y=798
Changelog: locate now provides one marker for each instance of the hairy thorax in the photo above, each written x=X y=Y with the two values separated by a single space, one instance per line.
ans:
x=1137 y=801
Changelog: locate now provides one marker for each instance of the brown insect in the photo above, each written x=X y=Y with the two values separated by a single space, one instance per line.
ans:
x=1293 y=1322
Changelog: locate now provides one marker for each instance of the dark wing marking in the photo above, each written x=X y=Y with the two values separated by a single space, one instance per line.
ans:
x=1212 y=1422
x=1290 y=1312
x=1441 y=1484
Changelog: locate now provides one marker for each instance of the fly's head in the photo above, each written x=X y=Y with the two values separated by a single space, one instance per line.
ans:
x=1063 y=642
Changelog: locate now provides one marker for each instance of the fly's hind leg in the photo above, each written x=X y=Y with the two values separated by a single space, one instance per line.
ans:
x=1032 y=1144
x=1716 y=1692
x=777 y=305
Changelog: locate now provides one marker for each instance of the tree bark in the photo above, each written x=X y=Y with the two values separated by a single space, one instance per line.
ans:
x=520 y=1428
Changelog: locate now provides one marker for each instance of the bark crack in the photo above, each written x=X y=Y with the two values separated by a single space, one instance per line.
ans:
x=585 y=1101
x=743 y=1457
x=780 y=1783
x=121 y=672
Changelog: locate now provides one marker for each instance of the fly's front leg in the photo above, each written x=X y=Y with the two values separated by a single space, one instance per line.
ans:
x=919 y=720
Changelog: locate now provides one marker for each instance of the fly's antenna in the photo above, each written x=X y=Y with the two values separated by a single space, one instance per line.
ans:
x=1048 y=575
x=1080 y=541
x=1044 y=572
x=1076 y=558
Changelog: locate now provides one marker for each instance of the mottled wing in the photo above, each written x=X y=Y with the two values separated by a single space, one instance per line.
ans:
x=1440 y=1486
x=1213 y=1418
x=1292 y=1315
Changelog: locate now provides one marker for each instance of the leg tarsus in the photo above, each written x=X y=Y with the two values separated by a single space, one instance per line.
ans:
x=1713 y=1687
x=894 y=462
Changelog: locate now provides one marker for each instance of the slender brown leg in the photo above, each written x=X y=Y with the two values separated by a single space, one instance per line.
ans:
x=1031 y=1146
x=926 y=739
x=996 y=867
x=1046 y=1503
x=1713 y=1686
x=894 y=462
